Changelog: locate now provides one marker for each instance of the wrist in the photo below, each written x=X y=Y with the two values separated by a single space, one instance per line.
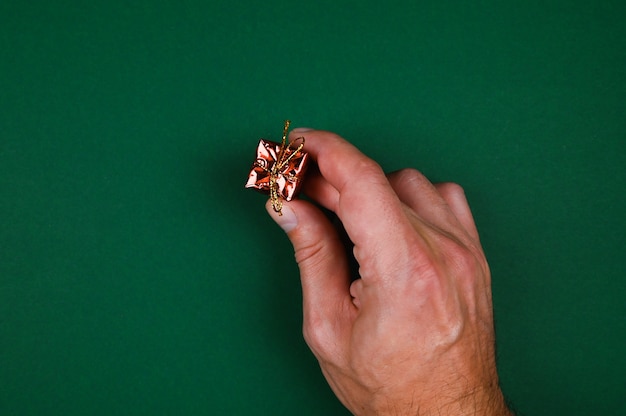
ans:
x=482 y=401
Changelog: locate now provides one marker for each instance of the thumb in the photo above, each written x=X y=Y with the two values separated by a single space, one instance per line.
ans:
x=321 y=257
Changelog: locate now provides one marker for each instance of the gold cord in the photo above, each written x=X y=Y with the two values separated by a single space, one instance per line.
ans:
x=281 y=162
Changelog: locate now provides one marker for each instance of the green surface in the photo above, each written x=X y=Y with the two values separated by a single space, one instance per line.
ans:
x=137 y=276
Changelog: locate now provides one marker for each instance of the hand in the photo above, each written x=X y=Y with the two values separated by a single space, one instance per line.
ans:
x=413 y=334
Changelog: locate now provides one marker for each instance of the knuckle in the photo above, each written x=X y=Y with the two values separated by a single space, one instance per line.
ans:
x=466 y=263
x=313 y=254
x=309 y=253
x=408 y=175
x=367 y=175
x=317 y=334
x=450 y=329
x=450 y=189
x=461 y=259
x=368 y=167
x=456 y=257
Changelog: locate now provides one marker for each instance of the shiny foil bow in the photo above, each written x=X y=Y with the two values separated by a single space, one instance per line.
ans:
x=279 y=169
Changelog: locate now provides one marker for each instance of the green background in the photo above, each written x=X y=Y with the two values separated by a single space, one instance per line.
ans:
x=137 y=276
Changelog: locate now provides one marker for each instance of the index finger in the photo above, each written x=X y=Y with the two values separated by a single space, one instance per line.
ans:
x=368 y=207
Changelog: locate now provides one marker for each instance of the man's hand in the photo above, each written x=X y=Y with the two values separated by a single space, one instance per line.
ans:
x=414 y=333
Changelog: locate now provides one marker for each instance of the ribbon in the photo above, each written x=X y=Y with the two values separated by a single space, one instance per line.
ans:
x=286 y=153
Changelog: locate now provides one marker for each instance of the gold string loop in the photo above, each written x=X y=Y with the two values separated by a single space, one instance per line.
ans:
x=282 y=160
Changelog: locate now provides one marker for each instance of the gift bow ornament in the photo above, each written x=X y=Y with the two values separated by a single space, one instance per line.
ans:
x=278 y=169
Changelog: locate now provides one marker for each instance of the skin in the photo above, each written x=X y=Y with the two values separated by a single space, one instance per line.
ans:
x=413 y=334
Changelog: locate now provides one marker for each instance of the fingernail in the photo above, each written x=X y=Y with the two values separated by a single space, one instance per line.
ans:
x=288 y=221
x=301 y=130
